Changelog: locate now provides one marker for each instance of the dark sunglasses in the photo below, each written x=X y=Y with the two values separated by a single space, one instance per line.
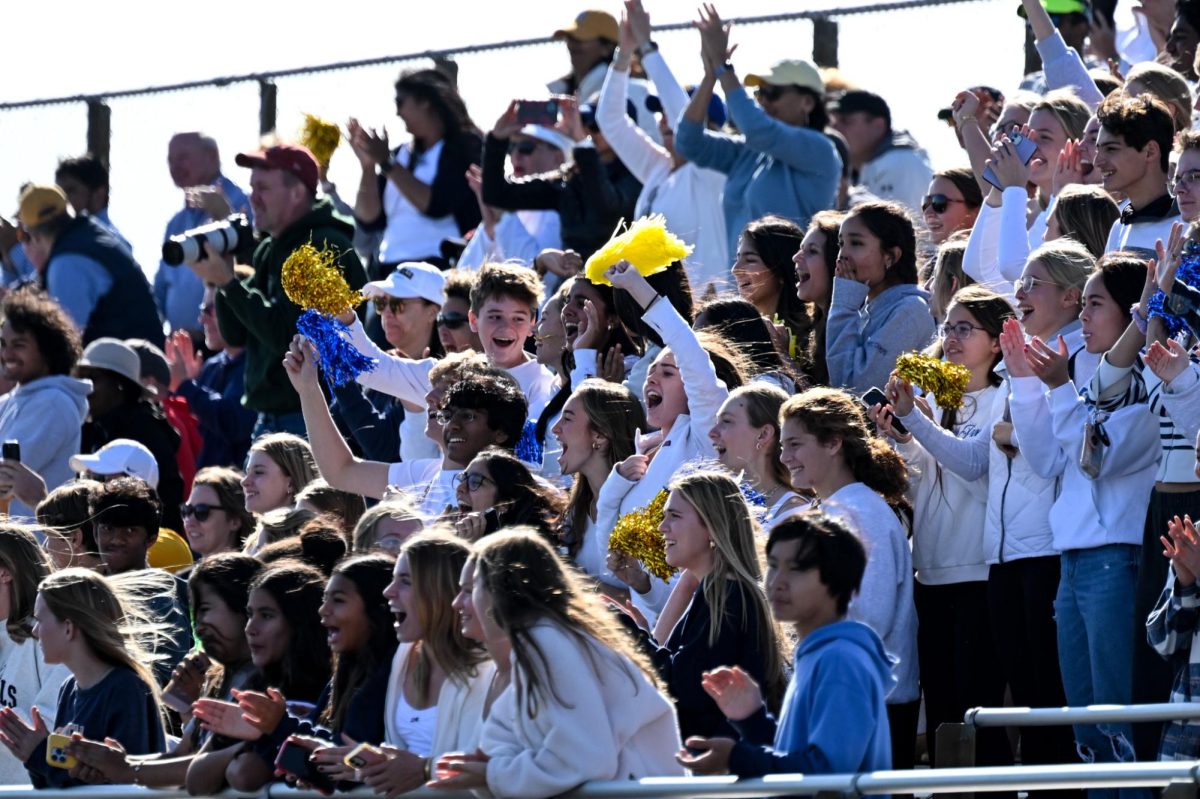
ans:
x=451 y=320
x=770 y=93
x=383 y=303
x=525 y=147
x=938 y=202
x=200 y=510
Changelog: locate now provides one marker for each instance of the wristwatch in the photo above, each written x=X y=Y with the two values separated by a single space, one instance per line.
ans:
x=389 y=163
x=649 y=47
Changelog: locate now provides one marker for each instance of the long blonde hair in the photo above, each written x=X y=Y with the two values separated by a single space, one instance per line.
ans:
x=113 y=614
x=722 y=508
x=293 y=455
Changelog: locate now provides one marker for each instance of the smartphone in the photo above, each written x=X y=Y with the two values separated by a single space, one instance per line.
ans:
x=537 y=112
x=11 y=450
x=491 y=521
x=293 y=759
x=875 y=396
x=363 y=755
x=1025 y=149
x=56 y=751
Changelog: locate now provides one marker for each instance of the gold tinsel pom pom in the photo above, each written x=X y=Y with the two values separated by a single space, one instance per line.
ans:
x=321 y=137
x=946 y=381
x=636 y=534
x=312 y=280
x=647 y=245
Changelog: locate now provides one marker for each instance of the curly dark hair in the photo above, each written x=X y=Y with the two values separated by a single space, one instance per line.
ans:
x=126 y=502
x=32 y=312
x=497 y=393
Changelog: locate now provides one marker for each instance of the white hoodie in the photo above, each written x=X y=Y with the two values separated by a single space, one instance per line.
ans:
x=45 y=416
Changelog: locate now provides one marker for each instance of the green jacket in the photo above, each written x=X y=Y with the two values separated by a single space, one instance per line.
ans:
x=255 y=313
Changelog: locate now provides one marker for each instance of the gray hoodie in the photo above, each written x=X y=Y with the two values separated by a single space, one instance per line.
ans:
x=864 y=339
x=45 y=416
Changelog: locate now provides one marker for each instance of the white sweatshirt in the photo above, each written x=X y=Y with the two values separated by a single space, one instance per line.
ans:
x=25 y=681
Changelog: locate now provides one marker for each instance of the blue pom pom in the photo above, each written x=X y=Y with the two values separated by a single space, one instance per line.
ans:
x=529 y=449
x=340 y=361
x=1189 y=273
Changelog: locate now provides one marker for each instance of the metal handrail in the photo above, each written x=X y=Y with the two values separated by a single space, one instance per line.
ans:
x=267 y=77
x=949 y=780
x=1092 y=714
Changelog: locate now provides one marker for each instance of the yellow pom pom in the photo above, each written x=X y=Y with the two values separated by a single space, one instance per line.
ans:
x=312 y=280
x=321 y=137
x=647 y=245
x=946 y=381
x=636 y=534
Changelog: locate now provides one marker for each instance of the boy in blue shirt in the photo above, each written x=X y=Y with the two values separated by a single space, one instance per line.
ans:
x=834 y=720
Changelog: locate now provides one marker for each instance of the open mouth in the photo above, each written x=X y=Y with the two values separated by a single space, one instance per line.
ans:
x=720 y=448
x=455 y=440
x=571 y=329
x=1086 y=167
x=668 y=543
x=401 y=616
x=653 y=398
x=332 y=633
x=504 y=343
x=1025 y=311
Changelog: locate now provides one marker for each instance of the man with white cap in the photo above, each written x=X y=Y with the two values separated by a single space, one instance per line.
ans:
x=407 y=301
x=520 y=235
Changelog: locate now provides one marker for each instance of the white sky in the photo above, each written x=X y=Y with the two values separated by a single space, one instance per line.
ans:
x=916 y=59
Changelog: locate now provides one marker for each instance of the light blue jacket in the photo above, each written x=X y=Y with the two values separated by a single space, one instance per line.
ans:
x=863 y=339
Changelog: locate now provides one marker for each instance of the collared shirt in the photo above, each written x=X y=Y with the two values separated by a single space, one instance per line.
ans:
x=178 y=292
x=1138 y=229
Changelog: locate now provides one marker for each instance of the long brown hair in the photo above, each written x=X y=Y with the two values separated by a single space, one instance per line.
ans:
x=722 y=508
x=435 y=561
x=26 y=563
x=528 y=585
x=613 y=412
x=831 y=413
x=763 y=401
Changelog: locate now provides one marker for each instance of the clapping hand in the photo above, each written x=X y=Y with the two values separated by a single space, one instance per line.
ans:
x=711 y=755
x=1052 y=366
x=734 y=691
x=1182 y=546
x=1167 y=362
x=20 y=737
x=1012 y=345
x=714 y=38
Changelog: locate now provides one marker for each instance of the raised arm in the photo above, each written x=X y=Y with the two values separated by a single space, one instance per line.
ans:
x=335 y=461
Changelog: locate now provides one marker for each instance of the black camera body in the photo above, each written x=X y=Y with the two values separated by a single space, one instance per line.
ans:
x=231 y=236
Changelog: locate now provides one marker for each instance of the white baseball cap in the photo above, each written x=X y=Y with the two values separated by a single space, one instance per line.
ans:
x=409 y=280
x=120 y=456
x=549 y=136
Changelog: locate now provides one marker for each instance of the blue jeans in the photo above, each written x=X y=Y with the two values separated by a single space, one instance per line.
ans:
x=1094 y=611
x=279 y=423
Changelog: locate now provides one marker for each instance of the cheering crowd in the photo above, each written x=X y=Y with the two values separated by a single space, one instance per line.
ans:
x=884 y=445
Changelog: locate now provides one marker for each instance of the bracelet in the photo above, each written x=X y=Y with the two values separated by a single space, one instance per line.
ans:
x=137 y=772
x=722 y=69
x=650 y=46
x=427 y=766
x=1139 y=318
x=965 y=118
x=389 y=164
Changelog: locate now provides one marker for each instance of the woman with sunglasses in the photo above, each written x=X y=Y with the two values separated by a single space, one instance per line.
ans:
x=592 y=195
x=783 y=163
x=453 y=329
x=952 y=203
x=947 y=457
x=409 y=303
x=215 y=518
x=498 y=490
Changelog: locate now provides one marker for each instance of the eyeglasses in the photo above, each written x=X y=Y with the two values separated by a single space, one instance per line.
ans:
x=200 y=510
x=451 y=320
x=207 y=309
x=1026 y=284
x=447 y=415
x=474 y=480
x=382 y=304
x=523 y=147
x=770 y=93
x=938 y=202
x=1187 y=180
x=958 y=330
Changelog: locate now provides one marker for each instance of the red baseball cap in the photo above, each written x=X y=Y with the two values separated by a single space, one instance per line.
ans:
x=293 y=158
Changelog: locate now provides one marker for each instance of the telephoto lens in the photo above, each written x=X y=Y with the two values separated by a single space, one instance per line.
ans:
x=233 y=235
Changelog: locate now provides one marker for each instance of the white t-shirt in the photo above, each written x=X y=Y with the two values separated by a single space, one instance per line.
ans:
x=410 y=234
x=415 y=725
x=425 y=482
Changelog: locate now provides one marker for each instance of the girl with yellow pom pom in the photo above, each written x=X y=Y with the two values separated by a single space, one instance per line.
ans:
x=947 y=453
x=682 y=394
x=724 y=621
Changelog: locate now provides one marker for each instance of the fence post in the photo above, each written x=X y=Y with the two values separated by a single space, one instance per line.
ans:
x=955 y=749
x=1180 y=789
x=825 y=42
x=267 y=93
x=99 y=129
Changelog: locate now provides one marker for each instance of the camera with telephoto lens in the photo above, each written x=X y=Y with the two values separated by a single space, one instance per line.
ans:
x=231 y=236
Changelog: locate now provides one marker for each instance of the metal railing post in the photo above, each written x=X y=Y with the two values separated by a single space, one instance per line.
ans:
x=1180 y=789
x=825 y=42
x=99 y=129
x=267 y=95
x=955 y=749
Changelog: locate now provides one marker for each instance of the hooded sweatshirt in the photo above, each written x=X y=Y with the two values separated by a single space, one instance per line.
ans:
x=864 y=338
x=45 y=416
x=834 y=720
x=25 y=681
